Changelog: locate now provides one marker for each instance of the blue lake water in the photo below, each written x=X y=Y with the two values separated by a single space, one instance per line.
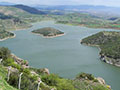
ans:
x=63 y=55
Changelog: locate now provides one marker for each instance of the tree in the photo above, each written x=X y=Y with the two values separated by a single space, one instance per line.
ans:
x=4 y=53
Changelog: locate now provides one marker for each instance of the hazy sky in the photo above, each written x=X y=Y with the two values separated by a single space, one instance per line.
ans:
x=67 y=2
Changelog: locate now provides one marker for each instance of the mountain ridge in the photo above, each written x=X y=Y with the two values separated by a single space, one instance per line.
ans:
x=29 y=9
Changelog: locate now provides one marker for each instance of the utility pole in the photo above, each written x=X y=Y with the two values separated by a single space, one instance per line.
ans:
x=19 y=80
x=1 y=60
x=39 y=82
x=8 y=75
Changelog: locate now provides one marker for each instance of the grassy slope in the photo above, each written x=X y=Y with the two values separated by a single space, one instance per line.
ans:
x=7 y=10
x=53 y=81
x=12 y=18
x=3 y=84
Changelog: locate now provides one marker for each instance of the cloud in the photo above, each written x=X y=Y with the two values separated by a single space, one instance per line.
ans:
x=67 y=2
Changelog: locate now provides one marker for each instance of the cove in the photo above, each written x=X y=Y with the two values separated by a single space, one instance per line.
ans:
x=63 y=55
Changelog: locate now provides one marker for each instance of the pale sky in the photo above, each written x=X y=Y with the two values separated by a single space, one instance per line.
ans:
x=67 y=2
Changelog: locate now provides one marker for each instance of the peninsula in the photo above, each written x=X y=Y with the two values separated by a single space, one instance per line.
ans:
x=109 y=44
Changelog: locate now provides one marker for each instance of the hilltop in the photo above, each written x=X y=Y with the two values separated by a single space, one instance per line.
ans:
x=29 y=9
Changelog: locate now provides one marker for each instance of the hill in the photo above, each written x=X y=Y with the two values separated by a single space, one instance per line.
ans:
x=109 y=43
x=29 y=9
x=8 y=10
x=13 y=18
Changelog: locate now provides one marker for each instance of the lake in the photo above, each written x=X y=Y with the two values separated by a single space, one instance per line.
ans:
x=63 y=55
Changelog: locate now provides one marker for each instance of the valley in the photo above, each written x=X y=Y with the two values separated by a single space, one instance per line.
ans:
x=64 y=56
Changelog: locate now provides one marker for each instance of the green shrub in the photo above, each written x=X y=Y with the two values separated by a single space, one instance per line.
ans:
x=4 y=53
x=59 y=83
x=51 y=80
x=85 y=76
x=14 y=79
x=10 y=62
x=95 y=80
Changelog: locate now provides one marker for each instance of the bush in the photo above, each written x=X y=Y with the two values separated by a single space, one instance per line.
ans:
x=85 y=76
x=10 y=62
x=4 y=53
x=95 y=80
x=59 y=83
x=27 y=83
x=51 y=80
x=14 y=79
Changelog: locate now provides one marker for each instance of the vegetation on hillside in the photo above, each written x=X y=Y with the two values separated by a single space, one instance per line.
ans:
x=87 y=20
x=12 y=18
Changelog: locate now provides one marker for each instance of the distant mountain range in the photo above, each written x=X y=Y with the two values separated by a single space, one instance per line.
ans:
x=75 y=7
x=6 y=3
x=82 y=8
x=26 y=8
x=61 y=9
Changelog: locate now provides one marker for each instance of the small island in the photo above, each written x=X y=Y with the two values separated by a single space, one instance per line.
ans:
x=48 y=32
x=109 y=44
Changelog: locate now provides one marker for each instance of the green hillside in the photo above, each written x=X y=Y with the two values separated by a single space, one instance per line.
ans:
x=3 y=84
x=9 y=10
x=13 y=18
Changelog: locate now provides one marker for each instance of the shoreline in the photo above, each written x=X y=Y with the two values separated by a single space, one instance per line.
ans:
x=13 y=33
x=49 y=36
x=19 y=61
x=91 y=27
x=100 y=56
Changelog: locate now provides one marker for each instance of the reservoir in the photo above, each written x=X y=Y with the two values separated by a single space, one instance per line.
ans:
x=63 y=55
